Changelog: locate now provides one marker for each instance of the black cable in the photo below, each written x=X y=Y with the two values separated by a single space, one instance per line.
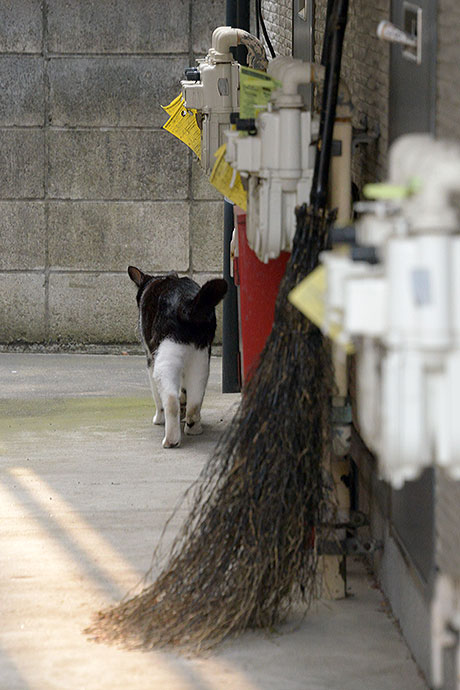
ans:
x=264 y=30
x=338 y=23
x=257 y=22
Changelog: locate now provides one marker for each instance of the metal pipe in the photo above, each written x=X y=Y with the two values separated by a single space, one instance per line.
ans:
x=238 y=16
x=230 y=338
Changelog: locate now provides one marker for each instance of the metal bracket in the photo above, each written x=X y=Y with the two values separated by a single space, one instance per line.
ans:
x=342 y=414
x=356 y=520
x=362 y=135
x=410 y=36
x=352 y=546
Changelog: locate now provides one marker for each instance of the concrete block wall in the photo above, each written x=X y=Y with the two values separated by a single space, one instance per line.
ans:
x=89 y=182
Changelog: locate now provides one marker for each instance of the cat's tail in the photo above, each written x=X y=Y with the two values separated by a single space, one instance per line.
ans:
x=206 y=300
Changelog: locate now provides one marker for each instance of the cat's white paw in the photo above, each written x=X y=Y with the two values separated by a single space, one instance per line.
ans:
x=171 y=443
x=159 y=417
x=193 y=428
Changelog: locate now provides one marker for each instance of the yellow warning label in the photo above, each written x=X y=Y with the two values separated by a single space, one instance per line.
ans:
x=227 y=180
x=309 y=298
x=255 y=91
x=183 y=125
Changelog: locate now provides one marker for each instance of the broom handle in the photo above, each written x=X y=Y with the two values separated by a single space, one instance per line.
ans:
x=327 y=33
x=338 y=21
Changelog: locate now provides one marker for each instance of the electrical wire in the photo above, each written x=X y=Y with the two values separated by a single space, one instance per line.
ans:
x=264 y=30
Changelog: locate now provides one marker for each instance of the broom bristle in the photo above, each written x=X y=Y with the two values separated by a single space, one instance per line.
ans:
x=247 y=547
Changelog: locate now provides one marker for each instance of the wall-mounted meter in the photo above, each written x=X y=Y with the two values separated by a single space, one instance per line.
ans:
x=397 y=294
x=211 y=87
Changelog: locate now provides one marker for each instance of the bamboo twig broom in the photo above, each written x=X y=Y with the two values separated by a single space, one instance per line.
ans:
x=247 y=548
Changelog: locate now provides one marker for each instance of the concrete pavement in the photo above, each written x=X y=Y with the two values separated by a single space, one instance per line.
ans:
x=85 y=490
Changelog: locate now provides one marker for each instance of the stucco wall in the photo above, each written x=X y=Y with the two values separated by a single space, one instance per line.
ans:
x=89 y=182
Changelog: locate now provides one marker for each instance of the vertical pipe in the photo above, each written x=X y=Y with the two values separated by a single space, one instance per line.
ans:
x=231 y=13
x=230 y=340
x=243 y=22
x=238 y=16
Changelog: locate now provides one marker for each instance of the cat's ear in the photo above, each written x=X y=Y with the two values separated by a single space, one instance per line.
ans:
x=208 y=297
x=136 y=275
x=213 y=292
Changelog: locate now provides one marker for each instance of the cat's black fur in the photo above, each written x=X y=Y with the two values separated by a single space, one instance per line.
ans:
x=177 y=323
x=177 y=308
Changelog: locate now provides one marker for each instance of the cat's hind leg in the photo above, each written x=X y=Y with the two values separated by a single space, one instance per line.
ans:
x=196 y=377
x=167 y=370
x=183 y=400
x=159 y=416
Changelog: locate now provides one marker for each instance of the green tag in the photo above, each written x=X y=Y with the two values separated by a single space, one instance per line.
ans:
x=385 y=191
x=255 y=90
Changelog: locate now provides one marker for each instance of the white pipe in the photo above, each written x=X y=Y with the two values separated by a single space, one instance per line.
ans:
x=340 y=173
x=223 y=38
x=290 y=148
x=277 y=65
x=226 y=37
x=301 y=73
x=292 y=73
x=435 y=165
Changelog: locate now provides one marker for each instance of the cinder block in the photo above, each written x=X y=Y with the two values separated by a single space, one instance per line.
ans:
x=92 y=308
x=22 y=307
x=201 y=187
x=21 y=163
x=115 y=91
x=117 y=164
x=21 y=26
x=137 y=26
x=109 y=236
x=22 y=90
x=207 y=231
x=207 y=15
x=22 y=235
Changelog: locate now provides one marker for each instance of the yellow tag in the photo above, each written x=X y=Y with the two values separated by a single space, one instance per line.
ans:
x=309 y=298
x=255 y=91
x=173 y=105
x=183 y=125
x=227 y=180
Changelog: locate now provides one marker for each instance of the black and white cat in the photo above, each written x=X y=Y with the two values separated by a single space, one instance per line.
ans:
x=177 y=323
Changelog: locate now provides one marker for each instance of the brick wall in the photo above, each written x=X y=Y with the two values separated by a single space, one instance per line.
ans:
x=278 y=21
x=448 y=72
x=365 y=69
x=89 y=182
x=448 y=126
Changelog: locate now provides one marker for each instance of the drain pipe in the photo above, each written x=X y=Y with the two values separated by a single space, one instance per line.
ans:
x=340 y=174
x=237 y=16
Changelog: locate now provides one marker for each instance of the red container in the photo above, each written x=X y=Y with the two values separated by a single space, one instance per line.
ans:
x=258 y=288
